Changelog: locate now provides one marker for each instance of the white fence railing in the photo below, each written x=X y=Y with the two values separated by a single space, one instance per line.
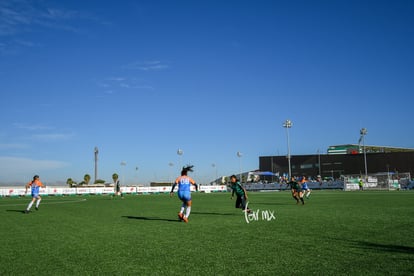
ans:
x=16 y=191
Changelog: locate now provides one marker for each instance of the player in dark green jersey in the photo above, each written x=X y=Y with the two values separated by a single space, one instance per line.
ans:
x=296 y=189
x=240 y=192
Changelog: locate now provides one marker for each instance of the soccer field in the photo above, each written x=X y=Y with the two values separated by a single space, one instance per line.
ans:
x=334 y=233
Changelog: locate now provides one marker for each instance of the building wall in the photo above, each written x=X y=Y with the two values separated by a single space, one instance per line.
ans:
x=341 y=164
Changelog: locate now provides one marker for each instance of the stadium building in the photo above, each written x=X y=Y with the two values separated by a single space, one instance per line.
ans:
x=341 y=160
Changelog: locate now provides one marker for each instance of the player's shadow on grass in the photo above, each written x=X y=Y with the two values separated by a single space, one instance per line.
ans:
x=271 y=203
x=382 y=247
x=17 y=211
x=151 y=218
x=213 y=213
x=386 y=247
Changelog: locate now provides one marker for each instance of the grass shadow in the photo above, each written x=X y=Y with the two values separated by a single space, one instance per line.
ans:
x=392 y=248
x=17 y=211
x=151 y=218
x=270 y=203
x=213 y=213
x=385 y=247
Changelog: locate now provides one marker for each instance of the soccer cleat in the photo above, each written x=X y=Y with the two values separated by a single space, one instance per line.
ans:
x=37 y=208
x=185 y=219
x=180 y=216
x=26 y=211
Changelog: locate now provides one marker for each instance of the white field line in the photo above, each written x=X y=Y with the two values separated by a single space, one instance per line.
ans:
x=46 y=203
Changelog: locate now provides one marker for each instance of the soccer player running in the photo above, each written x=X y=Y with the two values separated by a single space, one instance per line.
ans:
x=296 y=190
x=305 y=188
x=240 y=192
x=184 y=183
x=35 y=185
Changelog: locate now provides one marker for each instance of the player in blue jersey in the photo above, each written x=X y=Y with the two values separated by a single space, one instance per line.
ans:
x=305 y=188
x=34 y=186
x=184 y=183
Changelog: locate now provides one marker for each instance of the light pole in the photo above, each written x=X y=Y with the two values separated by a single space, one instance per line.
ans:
x=180 y=154
x=364 y=132
x=319 y=162
x=171 y=164
x=96 y=151
x=239 y=154
x=288 y=124
x=123 y=164
x=215 y=170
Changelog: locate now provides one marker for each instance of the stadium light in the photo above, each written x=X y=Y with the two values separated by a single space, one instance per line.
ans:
x=364 y=132
x=288 y=124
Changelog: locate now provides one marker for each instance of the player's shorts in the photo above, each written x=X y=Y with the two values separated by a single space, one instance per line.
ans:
x=35 y=194
x=184 y=195
x=305 y=187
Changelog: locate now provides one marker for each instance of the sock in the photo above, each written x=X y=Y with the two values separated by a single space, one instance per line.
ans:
x=37 y=203
x=188 y=211
x=30 y=205
x=301 y=199
x=182 y=209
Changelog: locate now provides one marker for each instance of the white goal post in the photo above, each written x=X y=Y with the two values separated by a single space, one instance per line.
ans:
x=378 y=181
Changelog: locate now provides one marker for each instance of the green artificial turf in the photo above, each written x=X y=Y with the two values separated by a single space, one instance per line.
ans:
x=334 y=233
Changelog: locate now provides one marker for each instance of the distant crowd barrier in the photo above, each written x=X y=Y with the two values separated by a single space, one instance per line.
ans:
x=60 y=191
x=337 y=184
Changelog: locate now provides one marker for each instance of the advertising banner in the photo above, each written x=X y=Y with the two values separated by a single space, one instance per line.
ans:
x=58 y=191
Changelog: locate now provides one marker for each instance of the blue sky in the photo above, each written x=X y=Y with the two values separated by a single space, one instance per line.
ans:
x=141 y=79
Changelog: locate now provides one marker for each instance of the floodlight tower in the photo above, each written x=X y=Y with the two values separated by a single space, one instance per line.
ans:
x=171 y=164
x=215 y=169
x=96 y=163
x=288 y=124
x=180 y=154
x=123 y=164
x=364 y=132
x=239 y=154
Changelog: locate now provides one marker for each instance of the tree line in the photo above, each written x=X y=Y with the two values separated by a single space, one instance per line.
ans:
x=87 y=178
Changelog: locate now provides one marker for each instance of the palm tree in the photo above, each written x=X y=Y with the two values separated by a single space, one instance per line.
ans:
x=117 y=186
x=87 y=178
x=70 y=182
x=115 y=177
